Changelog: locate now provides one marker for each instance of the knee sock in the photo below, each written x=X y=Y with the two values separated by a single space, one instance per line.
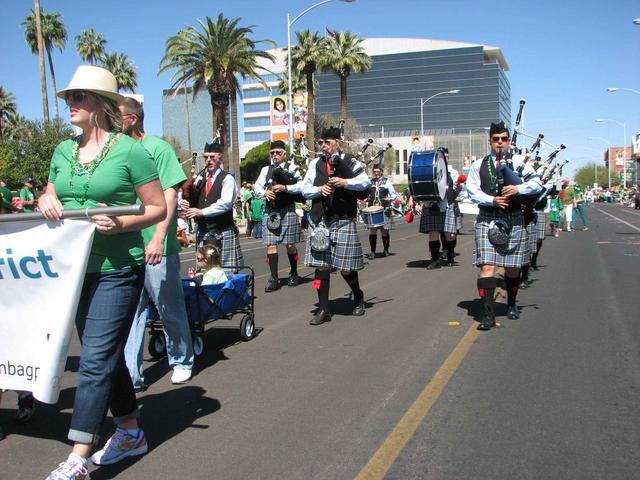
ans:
x=272 y=261
x=321 y=284
x=434 y=248
x=512 y=285
x=293 y=262
x=449 y=246
x=534 y=258
x=386 y=240
x=373 y=240
x=352 y=280
x=524 y=273
x=486 y=290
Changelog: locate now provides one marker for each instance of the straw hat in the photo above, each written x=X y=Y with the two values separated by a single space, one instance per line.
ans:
x=93 y=79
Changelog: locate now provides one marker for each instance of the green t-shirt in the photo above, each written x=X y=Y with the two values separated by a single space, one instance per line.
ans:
x=171 y=175
x=569 y=195
x=28 y=195
x=113 y=182
x=257 y=209
x=6 y=195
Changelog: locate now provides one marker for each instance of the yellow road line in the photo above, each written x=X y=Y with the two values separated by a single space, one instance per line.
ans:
x=386 y=455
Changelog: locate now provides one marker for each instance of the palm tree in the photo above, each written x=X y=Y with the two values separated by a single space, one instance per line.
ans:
x=123 y=69
x=17 y=127
x=53 y=35
x=8 y=108
x=213 y=58
x=43 y=76
x=90 y=45
x=306 y=56
x=345 y=54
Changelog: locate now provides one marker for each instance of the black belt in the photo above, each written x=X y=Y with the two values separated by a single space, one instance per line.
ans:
x=499 y=210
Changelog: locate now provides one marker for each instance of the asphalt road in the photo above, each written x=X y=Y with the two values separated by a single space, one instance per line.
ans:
x=410 y=390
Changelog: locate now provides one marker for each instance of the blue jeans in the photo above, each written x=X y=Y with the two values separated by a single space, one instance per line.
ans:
x=162 y=285
x=103 y=320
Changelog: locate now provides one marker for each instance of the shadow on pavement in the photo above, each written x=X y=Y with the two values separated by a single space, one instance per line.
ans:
x=165 y=415
x=418 y=263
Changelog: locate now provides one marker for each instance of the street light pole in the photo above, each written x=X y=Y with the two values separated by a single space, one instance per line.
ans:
x=290 y=82
x=422 y=102
x=624 y=149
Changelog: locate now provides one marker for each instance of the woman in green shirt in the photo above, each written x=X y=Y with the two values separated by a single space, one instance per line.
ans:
x=102 y=166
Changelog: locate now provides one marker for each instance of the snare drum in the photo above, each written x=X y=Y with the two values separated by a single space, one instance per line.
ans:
x=373 y=216
x=428 y=175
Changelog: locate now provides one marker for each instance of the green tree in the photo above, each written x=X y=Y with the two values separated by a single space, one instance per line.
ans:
x=345 y=54
x=123 y=69
x=53 y=35
x=7 y=108
x=29 y=155
x=17 y=127
x=587 y=175
x=255 y=159
x=213 y=57
x=306 y=57
x=90 y=45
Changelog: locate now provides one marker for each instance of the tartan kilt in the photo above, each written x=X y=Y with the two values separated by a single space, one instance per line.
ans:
x=231 y=255
x=439 y=222
x=458 y=213
x=289 y=231
x=345 y=250
x=532 y=245
x=541 y=224
x=511 y=255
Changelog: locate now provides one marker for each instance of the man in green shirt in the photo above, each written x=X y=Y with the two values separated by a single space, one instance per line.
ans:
x=28 y=196
x=5 y=198
x=163 y=285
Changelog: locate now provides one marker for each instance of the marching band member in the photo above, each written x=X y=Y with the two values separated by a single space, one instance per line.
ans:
x=500 y=239
x=213 y=196
x=280 y=184
x=382 y=193
x=332 y=182
x=449 y=239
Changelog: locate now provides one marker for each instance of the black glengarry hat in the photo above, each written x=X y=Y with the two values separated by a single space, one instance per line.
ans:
x=278 y=144
x=499 y=127
x=331 y=133
x=214 y=147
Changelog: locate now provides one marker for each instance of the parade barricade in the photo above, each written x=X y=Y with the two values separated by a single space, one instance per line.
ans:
x=205 y=304
x=42 y=268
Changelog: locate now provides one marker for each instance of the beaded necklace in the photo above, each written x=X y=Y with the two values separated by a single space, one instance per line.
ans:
x=493 y=176
x=86 y=171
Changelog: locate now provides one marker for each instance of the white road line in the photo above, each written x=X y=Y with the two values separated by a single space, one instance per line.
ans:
x=620 y=220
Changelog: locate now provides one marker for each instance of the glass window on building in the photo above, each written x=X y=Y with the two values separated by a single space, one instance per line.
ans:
x=257 y=136
x=256 y=107
x=257 y=122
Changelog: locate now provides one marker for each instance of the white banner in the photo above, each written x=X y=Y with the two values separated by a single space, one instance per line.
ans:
x=42 y=267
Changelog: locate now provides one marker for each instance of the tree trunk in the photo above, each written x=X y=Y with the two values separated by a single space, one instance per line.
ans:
x=310 y=140
x=343 y=102
x=234 y=166
x=53 y=85
x=43 y=77
x=188 y=117
x=220 y=102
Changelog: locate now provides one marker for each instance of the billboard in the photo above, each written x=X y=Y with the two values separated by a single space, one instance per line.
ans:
x=280 y=116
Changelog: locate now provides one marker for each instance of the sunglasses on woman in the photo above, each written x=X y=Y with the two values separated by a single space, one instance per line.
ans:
x=76 y=97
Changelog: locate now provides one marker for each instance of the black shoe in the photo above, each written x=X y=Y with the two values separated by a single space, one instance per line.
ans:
x=487 y=323
x=433 y=265
x=321 y=317
x=294 y=281
x=534 y=267
x=513 y=313
x=385 y=254
x=371 y=255
x=524 y=284
x=26 y=408
x=272 y=285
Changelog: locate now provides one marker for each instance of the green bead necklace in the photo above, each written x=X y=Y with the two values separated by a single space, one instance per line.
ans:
x=86 y=171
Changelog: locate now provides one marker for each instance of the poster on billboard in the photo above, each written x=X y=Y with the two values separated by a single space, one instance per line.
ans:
x=280 y=116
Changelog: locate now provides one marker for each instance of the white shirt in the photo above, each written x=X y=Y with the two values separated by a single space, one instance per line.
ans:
x=227 y=196
x=478 y=196
x=358 y=183
x=261 y=184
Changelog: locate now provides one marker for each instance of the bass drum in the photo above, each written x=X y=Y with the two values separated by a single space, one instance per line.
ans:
x=428 y=175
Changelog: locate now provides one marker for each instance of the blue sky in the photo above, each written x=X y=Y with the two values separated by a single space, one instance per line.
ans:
x=562 y=54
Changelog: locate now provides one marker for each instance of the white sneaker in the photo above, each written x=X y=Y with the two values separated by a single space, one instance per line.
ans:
x=180 y=375
x=74 y=468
